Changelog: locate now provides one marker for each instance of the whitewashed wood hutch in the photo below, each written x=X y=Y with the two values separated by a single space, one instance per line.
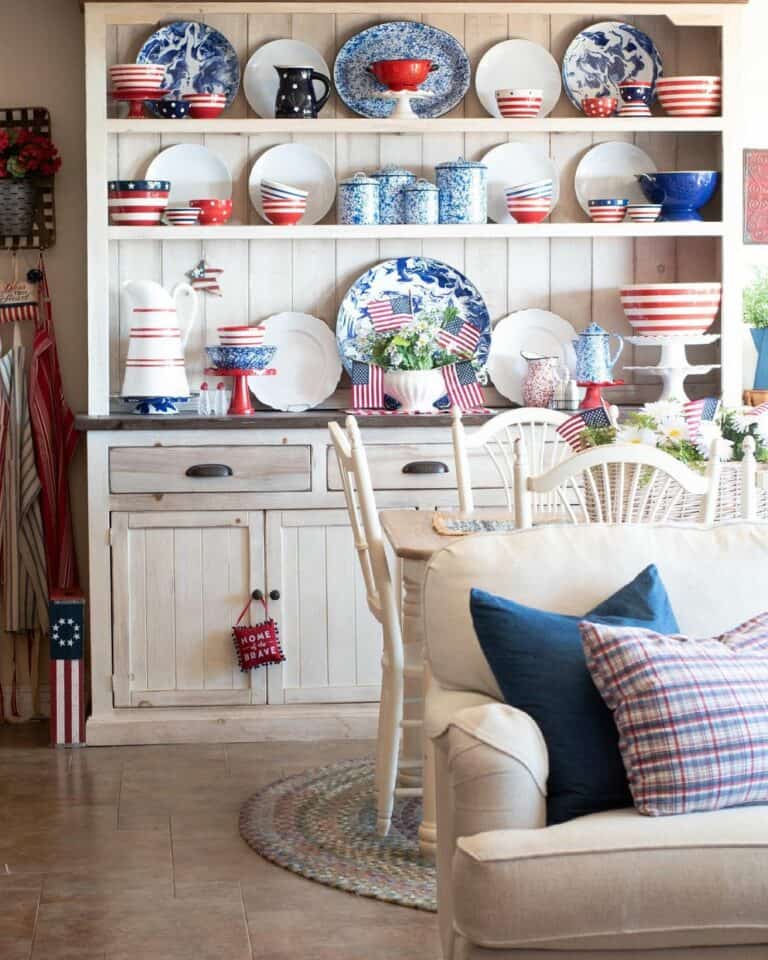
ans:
x=173 y=557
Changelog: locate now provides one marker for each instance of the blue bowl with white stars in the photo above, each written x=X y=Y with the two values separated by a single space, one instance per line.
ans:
x=170 y=109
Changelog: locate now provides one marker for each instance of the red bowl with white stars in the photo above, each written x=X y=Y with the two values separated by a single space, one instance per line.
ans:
x=213 y=212
x=599 y=106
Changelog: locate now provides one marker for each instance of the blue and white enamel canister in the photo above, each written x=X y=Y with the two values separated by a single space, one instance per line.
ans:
x=421 y=202
x=358 y=200
x=463 y=187
x=392 y=183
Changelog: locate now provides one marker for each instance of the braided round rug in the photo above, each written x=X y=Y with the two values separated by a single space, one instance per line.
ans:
x=321 y=823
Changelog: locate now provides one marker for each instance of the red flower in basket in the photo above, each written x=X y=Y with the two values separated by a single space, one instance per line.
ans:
x=24 y=153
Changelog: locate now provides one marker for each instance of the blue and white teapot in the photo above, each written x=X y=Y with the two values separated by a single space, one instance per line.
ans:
x=594 y=363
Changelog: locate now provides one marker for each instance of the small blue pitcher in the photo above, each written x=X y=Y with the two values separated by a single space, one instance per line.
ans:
x=594 y=363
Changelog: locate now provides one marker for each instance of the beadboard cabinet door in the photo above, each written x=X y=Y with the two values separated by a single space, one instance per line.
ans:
x=180 y=580
x=332 y=643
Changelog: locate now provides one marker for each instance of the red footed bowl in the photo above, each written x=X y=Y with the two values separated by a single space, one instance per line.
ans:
x=402 y=74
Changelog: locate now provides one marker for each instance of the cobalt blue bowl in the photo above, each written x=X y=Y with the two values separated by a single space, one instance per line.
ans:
x=170 y=109
x=240 y=358
x=613 y=202
x=681 y=194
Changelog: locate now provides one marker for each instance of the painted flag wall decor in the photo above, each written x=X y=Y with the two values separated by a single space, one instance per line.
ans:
x=67 y=669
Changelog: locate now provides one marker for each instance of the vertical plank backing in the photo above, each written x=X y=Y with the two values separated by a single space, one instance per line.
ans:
x=340 y=562
x=219 y=602
x=189 y=566
x=313 y=670
x=161 y=624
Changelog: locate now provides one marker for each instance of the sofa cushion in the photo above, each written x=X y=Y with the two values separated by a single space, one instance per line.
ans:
x=538 y=662
x=617 y=880
x=692 y=714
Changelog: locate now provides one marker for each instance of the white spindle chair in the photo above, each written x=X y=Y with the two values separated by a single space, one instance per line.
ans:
x=618 y=483
x=534 y=428
x=382 y=602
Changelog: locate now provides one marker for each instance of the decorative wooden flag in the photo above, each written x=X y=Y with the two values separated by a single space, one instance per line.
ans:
x=67 y=677
x=206 y=279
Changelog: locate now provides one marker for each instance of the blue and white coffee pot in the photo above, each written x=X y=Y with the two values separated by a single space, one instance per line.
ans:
x=594 y=363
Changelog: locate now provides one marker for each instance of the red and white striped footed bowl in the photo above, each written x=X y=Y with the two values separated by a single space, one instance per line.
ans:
x=529 y=209
x=657 y=309
x=205 y=106
x=241 y=336
x=690 y=96
x=519 y=103
x=136 y=76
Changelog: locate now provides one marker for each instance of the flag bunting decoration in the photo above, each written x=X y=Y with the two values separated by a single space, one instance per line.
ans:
x=572 y=429
x=67 y=668
x=389 y=315
x=206 y=279
x=462 y=386
x=697 y=410
x=458 y=335
x=367 y=385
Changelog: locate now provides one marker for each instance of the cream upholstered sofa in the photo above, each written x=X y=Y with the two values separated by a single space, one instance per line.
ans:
x=610 y=885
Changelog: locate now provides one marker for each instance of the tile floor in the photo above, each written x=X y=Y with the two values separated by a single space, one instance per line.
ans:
x=132 y=853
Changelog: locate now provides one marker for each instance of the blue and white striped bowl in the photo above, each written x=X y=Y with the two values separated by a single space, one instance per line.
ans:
x=534 y=188
x=274 y=189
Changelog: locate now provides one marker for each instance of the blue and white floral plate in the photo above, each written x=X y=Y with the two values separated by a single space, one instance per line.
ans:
x=402 y=40
x=605 y=55
x=431 y=286
x=197 y=59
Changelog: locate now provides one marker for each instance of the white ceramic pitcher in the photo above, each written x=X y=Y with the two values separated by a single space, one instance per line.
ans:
x=154 y=366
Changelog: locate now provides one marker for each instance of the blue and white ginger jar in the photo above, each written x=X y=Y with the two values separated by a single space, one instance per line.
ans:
x=421 y=202
x=463 y=186
x=392 y=182
x=358 y=199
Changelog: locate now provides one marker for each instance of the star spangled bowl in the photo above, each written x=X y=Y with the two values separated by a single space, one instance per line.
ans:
x=241 y=358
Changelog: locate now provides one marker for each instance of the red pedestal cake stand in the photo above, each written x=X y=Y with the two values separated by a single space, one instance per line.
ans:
x=240 y=405
x=594 y=395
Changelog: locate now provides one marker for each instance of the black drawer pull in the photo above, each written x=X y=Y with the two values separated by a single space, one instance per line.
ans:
x=257 y=595
x=210 y=470
x=274 y=594
x=426 y=466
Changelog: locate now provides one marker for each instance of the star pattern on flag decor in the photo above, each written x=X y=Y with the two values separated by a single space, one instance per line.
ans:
x=205 y=278
x=65 y=632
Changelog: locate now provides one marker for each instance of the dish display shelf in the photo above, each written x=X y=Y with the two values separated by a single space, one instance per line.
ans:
x=567 y=264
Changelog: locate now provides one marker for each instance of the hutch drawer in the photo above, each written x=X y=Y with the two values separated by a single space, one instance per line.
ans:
x=210 y=469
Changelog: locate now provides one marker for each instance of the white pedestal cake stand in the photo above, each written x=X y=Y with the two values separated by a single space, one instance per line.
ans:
x=403 y=109
x=673 y=367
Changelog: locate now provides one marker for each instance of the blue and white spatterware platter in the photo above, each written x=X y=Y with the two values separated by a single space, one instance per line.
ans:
x=605 y=55
x=431 y=286
x=402 y=40
x=197 y=59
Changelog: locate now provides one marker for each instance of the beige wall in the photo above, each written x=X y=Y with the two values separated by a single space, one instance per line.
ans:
x=41 y=64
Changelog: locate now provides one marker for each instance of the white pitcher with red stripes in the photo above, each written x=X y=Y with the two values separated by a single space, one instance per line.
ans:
x=160 y=323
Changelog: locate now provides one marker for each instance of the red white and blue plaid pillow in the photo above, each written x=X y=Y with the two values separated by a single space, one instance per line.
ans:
x=692 y=714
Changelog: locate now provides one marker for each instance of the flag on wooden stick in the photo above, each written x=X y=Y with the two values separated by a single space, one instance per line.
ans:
x=571 y=430
x=367 y=385
x=462 y=386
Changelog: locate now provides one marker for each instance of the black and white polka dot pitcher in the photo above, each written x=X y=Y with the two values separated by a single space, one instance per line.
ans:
x=296 y=95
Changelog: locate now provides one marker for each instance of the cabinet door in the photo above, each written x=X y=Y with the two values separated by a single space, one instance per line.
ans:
x=179 y=582
x=331 y=642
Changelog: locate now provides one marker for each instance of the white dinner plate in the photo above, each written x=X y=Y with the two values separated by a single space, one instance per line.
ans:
x=296 y=166
x=536 y=332
x=607 y=172
x=195 y=172
x=307 y=363
x=260 y=80
x=518 y=64
x=510 y=164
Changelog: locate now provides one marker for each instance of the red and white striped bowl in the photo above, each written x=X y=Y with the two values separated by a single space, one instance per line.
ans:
x=284 y=213
x=606 y=214
x=529 y=209
x=139 y=208
x=205 y=106
x=519 y=103
x=656 y=309
x=135 y=218
x=136 y=76
x=690 y=96
x=241 y=336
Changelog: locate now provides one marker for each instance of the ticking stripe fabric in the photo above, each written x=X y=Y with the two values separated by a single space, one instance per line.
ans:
x=692 y=714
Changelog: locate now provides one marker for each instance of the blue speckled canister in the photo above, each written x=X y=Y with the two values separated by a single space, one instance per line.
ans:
x=421 y=202
x=392 y=182
x=358 y=200
x=463 y=191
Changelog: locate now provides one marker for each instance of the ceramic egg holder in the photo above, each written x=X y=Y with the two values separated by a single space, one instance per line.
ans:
x=673 y=367
x=403 y=109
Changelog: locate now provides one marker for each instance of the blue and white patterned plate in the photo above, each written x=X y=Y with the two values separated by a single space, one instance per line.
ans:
x=605 y=55
x=430 y=284
x=402 y=40
x=197 y=59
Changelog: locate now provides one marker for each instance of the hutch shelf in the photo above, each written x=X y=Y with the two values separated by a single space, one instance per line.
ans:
x=173 y=557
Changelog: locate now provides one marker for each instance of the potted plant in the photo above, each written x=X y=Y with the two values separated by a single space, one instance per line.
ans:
x=25 y=157
x=412 y=358
x=756 y=316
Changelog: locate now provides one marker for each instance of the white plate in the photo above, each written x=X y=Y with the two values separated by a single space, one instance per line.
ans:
x=260 y=80
x=297 y=166
x=307 y=363
x=608 y=171
x=518 y=64
x=532 y=331
x=510 y=164
x=195 y=172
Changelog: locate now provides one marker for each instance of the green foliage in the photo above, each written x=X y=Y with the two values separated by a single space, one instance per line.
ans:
x=414 y=346
x=736 y=427
x=756 y=300
x=597 y=436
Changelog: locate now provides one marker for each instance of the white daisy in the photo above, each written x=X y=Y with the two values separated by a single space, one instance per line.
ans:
x=629 y=434
x=743 y=421
x=708 y=432
x=674 y=429
x=664 y=410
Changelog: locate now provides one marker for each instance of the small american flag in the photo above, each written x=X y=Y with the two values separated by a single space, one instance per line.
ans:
x=697 y=410
x=574 y=426
x=367 y=385
x=458 y=334
x=389 y=315
x=462 y=386
x=759 y=411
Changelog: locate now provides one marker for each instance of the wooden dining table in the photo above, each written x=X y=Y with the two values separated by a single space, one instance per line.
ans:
x=414 y=541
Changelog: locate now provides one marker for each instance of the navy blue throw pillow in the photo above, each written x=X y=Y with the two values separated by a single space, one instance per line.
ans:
x=539 y=665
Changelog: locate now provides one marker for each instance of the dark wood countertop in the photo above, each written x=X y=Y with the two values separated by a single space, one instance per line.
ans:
x=263 y=420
